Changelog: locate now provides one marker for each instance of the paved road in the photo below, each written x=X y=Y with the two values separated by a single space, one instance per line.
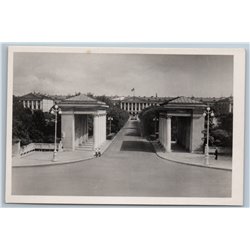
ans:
x=128 y=168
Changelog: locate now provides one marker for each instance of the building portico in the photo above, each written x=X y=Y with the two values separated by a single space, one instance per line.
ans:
x=190 y=123
x=76 y=112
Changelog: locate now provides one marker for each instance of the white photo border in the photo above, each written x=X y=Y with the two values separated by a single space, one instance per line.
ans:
x=238 y=129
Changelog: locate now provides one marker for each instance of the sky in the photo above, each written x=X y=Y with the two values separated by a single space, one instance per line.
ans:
x=117 y=74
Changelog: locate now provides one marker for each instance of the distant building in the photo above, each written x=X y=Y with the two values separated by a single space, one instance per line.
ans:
x=209 y=101
x=135 y=104
x=37 y=101
x=221 y=105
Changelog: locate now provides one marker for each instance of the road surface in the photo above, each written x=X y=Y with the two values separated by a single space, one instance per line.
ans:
x=129 y=167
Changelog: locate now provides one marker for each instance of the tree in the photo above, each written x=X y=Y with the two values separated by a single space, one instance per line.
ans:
x=221 y=133
x=21 y=122
x=224 y=132
x=119 y=115
x=33 y=126
x=146 y=117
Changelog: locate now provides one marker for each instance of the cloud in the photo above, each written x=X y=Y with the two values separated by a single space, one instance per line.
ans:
x=168 y=75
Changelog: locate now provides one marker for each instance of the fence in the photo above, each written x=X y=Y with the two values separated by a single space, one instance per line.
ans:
x=24 y=150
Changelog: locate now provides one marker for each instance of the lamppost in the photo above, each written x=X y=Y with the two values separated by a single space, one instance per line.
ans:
x=155 y=119
x=207 y=113
x=55 y=110
x=110 y=119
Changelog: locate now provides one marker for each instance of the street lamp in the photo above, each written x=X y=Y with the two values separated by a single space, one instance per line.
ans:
x=207 y=113
x=55 y=110
x=155 y=119
x=110 y=119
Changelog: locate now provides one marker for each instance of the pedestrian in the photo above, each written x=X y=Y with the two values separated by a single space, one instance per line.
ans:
x=216 y=154
x=99 y=152
x=96 y=152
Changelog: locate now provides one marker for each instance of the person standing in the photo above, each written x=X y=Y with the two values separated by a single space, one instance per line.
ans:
x=216 y=154
x=99 y=152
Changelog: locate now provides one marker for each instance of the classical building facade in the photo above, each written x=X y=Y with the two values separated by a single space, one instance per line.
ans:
x=74 y=121
x=134 y=105
x=37 y=101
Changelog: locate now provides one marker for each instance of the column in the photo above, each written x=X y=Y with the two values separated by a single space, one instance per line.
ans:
x=104 y=128
x=197 y=125
x=160 y=131
x=164 y=132
x=68 y=131
x=99 y=130
x=168 y=134
x=81 y=130
x=77 y=130
x=86 y=128
x=95 y=131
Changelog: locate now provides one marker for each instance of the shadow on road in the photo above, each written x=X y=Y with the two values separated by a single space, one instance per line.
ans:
x=132 y=133
x=137 y=146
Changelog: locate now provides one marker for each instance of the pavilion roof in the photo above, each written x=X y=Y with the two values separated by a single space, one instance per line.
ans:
x=181 y=100
x=81 y=98
x=82 y=101
x=34 y=96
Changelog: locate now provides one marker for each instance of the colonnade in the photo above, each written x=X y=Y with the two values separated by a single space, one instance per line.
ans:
x=75 y=130
x=134 y=106
x=189 y=131
x=32 y=104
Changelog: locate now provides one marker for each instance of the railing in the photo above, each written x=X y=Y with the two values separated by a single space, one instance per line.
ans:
x=27 y=149
x=24 y=150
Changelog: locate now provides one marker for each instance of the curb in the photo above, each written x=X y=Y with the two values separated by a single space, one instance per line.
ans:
x=188 y=163
x=53 y=164
x=114 y=138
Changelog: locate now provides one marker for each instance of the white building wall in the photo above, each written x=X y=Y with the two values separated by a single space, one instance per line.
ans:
x=46 y=105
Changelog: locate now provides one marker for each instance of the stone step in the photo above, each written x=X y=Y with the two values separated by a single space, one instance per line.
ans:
x=85 y=149
x=86 y=146
x=89 y=143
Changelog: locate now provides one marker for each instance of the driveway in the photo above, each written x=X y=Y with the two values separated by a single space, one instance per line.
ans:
x=129 y=167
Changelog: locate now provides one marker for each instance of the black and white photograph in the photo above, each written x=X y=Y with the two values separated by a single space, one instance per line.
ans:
x=125 y=126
